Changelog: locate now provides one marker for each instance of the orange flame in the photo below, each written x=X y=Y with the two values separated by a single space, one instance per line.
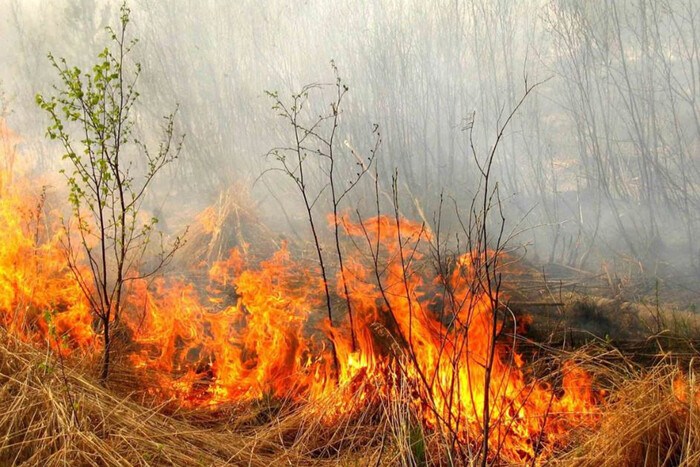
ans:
x=37 y=290
x=257 y=329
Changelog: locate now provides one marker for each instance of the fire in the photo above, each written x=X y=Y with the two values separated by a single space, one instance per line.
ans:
x=257 y=329
x=685 y=389
x=37 y=290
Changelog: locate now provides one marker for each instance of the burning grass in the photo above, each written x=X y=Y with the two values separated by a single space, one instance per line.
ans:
x=56 y=415
x=264 y=343
x=428 y=347
x=240 y=368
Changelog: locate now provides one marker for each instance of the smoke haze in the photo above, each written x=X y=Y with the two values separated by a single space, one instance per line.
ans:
x=599 y=164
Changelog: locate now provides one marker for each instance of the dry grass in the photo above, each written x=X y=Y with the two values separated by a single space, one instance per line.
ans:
x=108 y=427
x=39 y=427
x=230 y=222
x=645 y=423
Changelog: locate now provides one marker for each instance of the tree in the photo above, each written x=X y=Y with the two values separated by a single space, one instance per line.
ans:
x=316 y=139
x=92 y=115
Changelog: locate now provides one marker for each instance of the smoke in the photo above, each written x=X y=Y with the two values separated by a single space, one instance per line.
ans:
x=600 y=163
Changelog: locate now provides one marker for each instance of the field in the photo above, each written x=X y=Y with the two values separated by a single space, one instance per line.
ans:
x=56 y=413
x=367 y=233
x=227 y=363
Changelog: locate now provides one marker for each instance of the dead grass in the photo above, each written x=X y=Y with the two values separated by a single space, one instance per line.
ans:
x=645 y=424
x=47 y=419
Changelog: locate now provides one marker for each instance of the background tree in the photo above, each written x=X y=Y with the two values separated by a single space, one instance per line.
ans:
x=111 y=231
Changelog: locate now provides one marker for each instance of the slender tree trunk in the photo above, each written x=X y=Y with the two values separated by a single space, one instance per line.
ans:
x=105 y=352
